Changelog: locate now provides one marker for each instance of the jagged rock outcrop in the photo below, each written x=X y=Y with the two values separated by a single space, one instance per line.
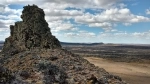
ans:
x=36 y=57
x=32 y=32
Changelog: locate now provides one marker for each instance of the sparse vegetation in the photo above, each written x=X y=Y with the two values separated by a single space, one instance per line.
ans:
x=126 y=53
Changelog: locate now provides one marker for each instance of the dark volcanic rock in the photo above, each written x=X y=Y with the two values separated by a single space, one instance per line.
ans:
x=37 y=58
x=5 y=75
x=32 y=32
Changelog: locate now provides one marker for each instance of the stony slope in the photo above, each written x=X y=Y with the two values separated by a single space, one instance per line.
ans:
x=33 y=56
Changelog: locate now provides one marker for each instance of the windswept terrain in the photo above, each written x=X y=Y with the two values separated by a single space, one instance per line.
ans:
x=130 y=62
x=116 y=52
x=133 y=73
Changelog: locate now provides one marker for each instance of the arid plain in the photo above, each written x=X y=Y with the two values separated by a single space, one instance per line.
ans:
x=133 y=73
x=130 y=62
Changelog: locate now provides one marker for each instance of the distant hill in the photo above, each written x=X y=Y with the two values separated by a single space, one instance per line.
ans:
x=66 y=44
x=83 y=44
x=1 y=42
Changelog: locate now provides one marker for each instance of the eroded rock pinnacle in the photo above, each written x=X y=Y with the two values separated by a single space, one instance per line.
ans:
x=32 y=32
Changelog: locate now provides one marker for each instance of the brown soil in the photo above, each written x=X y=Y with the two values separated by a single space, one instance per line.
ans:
x=133 y=73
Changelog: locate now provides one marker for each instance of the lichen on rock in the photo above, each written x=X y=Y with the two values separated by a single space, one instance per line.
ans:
x=32 y=32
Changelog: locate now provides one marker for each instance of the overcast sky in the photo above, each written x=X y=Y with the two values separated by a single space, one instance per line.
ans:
x=108 y=21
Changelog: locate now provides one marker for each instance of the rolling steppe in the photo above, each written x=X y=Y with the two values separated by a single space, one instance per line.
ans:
x=116 y=52
x=130 y=62
x=133 y=73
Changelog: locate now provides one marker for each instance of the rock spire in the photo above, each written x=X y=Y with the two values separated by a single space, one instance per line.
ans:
x=32 y=32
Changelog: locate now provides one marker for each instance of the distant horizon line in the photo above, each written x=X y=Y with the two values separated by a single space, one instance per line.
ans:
x=99 y=42
x=105 y=43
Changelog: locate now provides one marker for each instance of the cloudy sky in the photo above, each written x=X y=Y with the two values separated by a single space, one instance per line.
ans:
x=108 y=21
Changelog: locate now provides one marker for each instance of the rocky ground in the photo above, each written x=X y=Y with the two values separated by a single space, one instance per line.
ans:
x=60 y=66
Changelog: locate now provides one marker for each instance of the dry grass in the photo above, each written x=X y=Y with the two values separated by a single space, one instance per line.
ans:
x=133 y=73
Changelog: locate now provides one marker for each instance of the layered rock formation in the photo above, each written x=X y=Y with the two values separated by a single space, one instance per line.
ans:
x=32 y=32
x=34 y=56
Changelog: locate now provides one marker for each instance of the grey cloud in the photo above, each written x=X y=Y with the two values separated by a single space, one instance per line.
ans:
x=2 y=25
x=2 y=7
x=85 y=3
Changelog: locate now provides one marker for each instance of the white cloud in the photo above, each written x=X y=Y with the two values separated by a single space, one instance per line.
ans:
x=24 y=2
x=69 y=3
x=55 y=10
x=141 y=35
x=4 y=29
x=85 y=3
x=62 y=12
x=57 y=26
x=127 y=24
x=4 y=34
x=138 y=34
x=10 y=17
x=121 y=15
x=57 y=15
x=80 y=34
x=7 y=23
x=87 y=34
x=103 y=25
x=148 y=11
x=122 y=5
x=4 y=9
x=107 y=37
x=109 y=17
x=124 y=37
x=2 y=25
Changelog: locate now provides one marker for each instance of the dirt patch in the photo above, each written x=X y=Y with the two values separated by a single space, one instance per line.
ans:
x=133 y=73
